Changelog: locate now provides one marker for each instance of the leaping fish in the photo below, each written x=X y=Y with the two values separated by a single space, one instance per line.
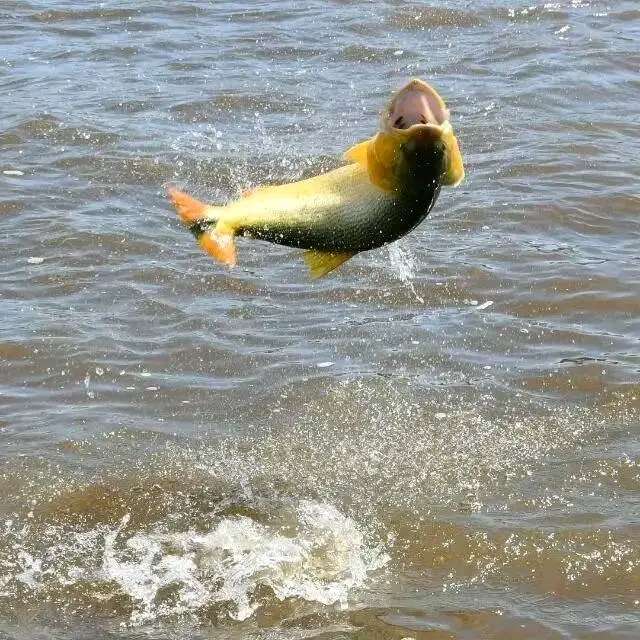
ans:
x=388 y=187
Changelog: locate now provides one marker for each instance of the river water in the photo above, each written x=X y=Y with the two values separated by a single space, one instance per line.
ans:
x=438 y=441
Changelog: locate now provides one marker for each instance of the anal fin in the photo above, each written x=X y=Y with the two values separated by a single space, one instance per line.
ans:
x=322 y=262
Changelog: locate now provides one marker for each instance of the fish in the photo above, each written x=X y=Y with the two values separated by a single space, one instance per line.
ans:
x=387 y=187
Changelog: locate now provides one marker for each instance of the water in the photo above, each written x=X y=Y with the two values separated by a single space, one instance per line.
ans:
x=438 y=441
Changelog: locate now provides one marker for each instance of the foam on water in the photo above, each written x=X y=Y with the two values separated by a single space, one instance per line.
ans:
x=318 y=555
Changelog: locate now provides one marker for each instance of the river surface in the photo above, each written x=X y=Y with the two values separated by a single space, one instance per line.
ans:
x=438 y=441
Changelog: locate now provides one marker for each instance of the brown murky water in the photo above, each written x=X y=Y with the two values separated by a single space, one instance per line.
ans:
x=440 y=441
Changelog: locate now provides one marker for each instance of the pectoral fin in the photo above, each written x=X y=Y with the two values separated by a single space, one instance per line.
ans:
x=358 y=153
x=322 y=262
x=378 y=156
x=454 y=173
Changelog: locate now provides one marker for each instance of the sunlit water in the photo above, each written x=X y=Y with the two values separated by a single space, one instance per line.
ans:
x=438 y=441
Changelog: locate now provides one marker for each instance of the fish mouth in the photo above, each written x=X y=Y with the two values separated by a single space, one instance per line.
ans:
x=417 y=120
x=417 y=104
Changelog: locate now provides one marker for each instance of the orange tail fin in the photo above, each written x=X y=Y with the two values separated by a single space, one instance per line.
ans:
x=215 y=237
x=219 y=244
x=189 y=209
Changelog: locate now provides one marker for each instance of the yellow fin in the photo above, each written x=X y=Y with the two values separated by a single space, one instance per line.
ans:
x=454 y=174
x=382 y=159
x=358 y=153
x=322 y=262
x=378 y=156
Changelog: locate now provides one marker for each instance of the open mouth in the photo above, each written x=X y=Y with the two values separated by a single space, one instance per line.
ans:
x=416 y=104
x=404 y=123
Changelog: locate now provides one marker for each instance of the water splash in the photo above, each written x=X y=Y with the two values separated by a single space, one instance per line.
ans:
x=314 y=553
x=403 y=267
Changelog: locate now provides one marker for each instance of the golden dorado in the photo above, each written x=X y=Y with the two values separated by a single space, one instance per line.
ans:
x=388 y=187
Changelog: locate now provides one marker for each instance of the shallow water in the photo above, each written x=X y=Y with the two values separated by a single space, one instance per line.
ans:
x=438 y=441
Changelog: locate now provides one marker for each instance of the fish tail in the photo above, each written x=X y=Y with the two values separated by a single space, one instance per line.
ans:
x=214 y=236
x=189 y=209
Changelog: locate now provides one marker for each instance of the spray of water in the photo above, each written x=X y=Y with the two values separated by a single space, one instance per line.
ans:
x=403 y=267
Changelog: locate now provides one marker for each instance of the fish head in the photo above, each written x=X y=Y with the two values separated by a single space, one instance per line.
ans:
x=415 y=147
x=416 y=103
x=417 y=134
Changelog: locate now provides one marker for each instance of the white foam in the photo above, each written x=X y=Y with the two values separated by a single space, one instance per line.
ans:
x=321 y=561
x=31 y=570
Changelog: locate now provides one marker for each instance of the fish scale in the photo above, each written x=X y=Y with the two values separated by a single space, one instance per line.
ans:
x=357 y=216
